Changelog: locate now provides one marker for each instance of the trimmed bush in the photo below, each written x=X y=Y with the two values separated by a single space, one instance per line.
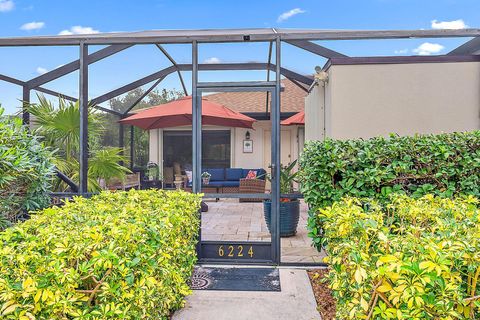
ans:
x=445 y=165
x=121 y=255
x=26 y=170
x=409 y=259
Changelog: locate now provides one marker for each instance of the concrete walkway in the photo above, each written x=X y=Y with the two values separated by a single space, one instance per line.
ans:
x=295 y=301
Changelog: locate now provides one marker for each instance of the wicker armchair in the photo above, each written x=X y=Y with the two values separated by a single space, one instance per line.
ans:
x=251 y=186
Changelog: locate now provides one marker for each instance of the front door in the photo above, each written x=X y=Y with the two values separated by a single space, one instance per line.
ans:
x=234 y=230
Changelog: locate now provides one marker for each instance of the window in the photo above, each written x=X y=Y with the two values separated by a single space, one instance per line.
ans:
x=177 y=148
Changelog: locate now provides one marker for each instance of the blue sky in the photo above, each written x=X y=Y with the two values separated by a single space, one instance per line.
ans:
x=50 y=17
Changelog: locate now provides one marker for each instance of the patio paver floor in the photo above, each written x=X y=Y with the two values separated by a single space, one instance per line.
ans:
x=228 y=219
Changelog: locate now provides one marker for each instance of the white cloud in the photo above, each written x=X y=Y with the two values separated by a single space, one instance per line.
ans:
x=454 y=24
x=78 y=30
x=401 y=51
x=41 y=70
x=427 y=48
x=33 y=26
x=6 y=5
x=287 y=15
x=212 y=60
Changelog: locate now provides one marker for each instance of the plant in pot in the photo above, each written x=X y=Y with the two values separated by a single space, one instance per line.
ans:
x=289 y=207
x=152 y=171
x=206 y=177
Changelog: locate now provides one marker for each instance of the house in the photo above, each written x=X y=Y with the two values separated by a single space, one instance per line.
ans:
x=366 y=97
x=228 y=147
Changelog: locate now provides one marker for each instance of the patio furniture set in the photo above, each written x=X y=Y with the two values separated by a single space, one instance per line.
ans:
x=232 y=180
x=223 y=180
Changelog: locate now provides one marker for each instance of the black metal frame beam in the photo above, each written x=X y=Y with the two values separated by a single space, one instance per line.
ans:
x=315 y=48
x=25 y=104
x=276 y=152
x=469 y=48
x=133 y=85
x=295 y=82
x=83 y=107
x=132 y=151
x=169 y=57
x=201 y=67
x=296 y=76
x=67 y=180
x=269 y=62
x=70 y=98
x=142 y=97
x=12 y=80
x=230 y=35
x=74 y=65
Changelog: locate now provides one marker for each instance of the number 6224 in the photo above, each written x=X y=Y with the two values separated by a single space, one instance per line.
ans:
x=234 y=251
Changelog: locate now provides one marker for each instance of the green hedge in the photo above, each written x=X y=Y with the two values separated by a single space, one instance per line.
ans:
x=445 y=165
x=410 y=259
x=122 y=255
x=26 y=170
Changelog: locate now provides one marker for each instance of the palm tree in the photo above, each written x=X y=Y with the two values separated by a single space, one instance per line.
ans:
x=60 y=129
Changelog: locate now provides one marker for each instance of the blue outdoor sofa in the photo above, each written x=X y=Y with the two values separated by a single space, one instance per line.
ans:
x=228 y=180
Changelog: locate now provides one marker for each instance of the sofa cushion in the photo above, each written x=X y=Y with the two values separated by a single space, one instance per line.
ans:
x=233 y=174
x=216 y=174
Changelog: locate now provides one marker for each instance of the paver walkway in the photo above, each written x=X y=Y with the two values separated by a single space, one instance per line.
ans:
x=294 y=302
x=228 y=219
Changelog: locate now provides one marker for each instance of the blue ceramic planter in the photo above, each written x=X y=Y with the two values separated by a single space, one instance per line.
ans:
x=289 y=215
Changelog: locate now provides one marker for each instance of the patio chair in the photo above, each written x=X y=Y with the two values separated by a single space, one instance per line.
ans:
x=168 y=176
x=131 y=181
x=251 y=186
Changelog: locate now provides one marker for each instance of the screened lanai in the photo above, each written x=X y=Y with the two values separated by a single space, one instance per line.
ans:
x=96 y=47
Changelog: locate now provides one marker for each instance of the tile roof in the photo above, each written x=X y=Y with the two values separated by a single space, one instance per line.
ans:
x=292 y=99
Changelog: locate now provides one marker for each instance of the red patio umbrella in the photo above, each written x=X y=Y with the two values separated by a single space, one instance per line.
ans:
x=296 y=119
x=179 y=113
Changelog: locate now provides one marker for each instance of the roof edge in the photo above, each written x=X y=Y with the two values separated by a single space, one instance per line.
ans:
x=229 y=35
x=399 y=60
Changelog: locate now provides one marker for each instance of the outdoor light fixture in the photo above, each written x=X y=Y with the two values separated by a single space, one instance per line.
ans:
x=247 y=135
x=320 y=75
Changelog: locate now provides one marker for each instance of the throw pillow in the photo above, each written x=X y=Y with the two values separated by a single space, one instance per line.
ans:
x=189 y=175
x=252 y=174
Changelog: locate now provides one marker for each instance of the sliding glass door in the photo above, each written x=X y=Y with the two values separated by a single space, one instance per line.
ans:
x=177 y=149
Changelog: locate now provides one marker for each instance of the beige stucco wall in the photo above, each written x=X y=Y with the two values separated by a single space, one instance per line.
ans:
x=371 y=100
x=257 y=159
x=315 y=110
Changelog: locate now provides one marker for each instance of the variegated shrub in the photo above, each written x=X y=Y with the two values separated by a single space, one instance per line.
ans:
x=446 y=165
x=122 y=255
x=408 y=259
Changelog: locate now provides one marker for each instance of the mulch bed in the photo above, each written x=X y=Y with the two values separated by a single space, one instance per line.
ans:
x=326 y=304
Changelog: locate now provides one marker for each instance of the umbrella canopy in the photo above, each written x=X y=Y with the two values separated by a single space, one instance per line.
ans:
x=296 y=119
x=179 y=113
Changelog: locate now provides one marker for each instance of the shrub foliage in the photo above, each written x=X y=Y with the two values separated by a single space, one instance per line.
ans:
x=26 y=170
x=122 y=255
x=445 y=165
x=410 y=259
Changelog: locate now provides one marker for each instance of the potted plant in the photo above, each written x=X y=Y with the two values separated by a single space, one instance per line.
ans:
x=206 y=177
x=289 y=207
x=152 y=171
